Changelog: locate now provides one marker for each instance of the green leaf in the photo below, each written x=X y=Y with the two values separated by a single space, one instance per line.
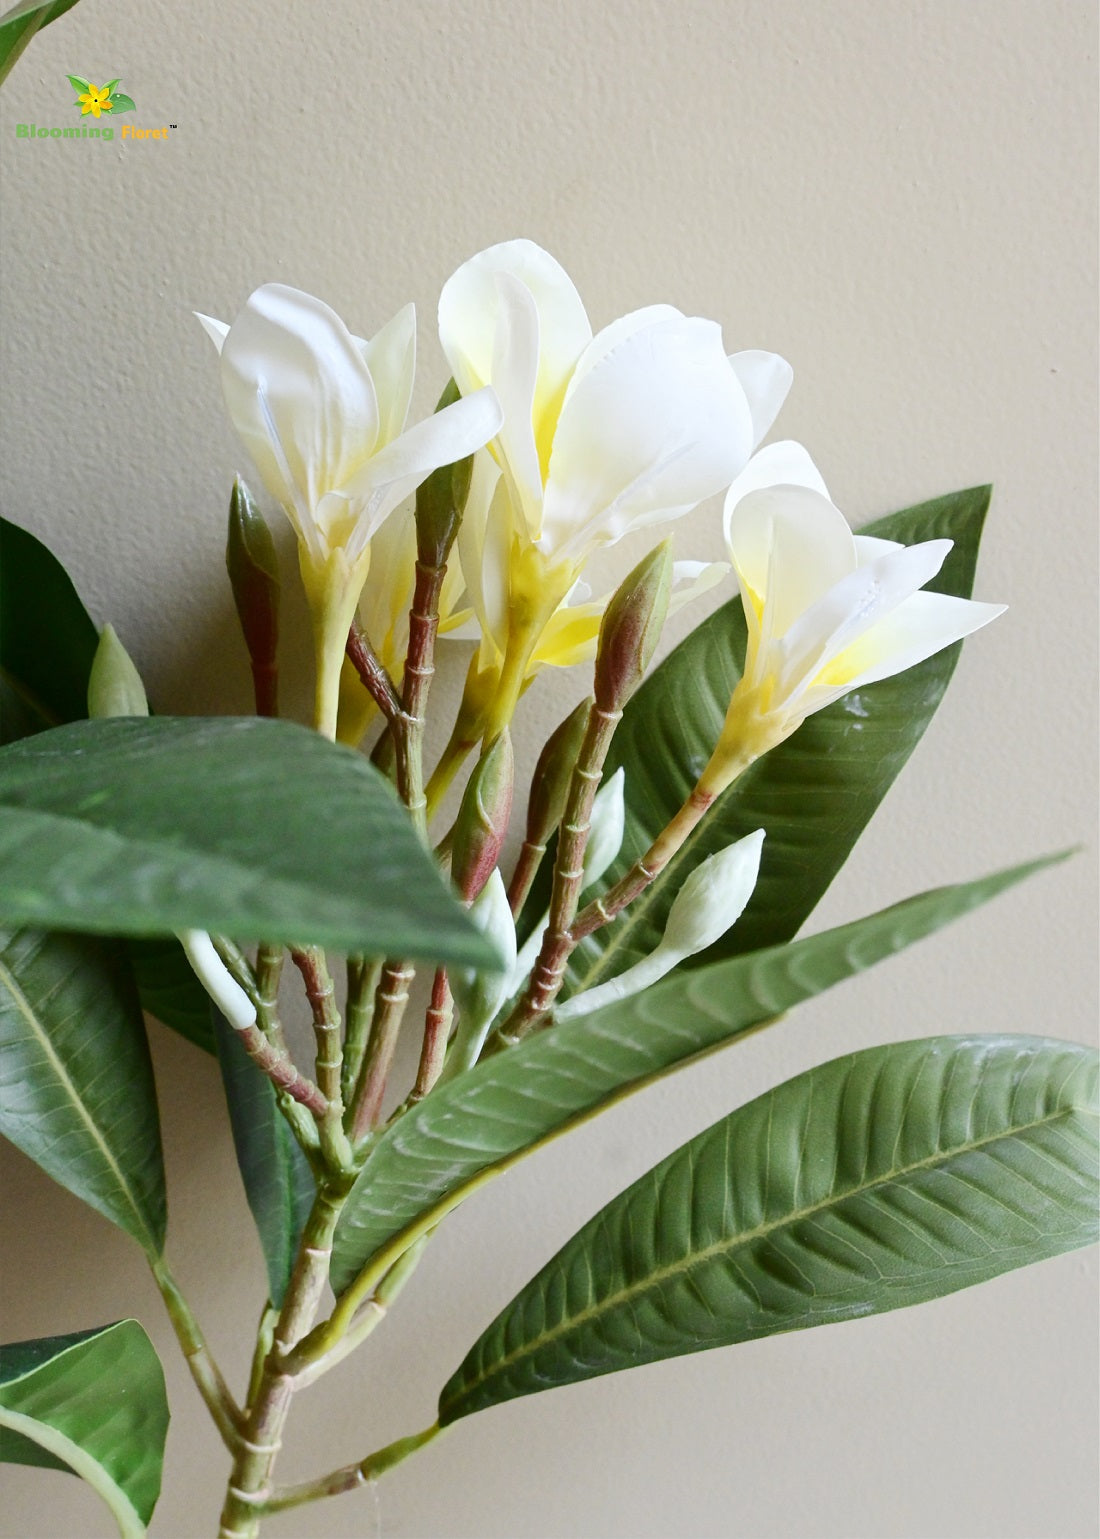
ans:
x=79 y=84
x=259 y=829
x=19 y=25
x=120 y=102
x=814 y=794
x=76 y=1084
x=277 y=1179
x=481 y=1123
x=47 y=637
x=169 y=990
x=885 y=1178
x=94 y=1404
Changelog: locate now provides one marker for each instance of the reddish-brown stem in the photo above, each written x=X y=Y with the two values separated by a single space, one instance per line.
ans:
x=437 y=1028
x=389 y=1007
x=527 y=865
x=280 y=1070
x=557 y=944
x=265 y=687
x=603 y=910
x=375 y=680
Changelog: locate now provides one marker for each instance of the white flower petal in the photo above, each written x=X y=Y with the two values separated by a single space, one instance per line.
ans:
x=299 y=395
x=691 y=579
x=606 y=340
x=766 y=380
x=921 y=626
x=714 y=896
x=789 y=546
x=390 y=355
x=515 y=372
x=468 y=314
x=785 y=463
x=853 y=609
x=653 y=429
x=398 y=468
x=217 y=331
x=484 y=548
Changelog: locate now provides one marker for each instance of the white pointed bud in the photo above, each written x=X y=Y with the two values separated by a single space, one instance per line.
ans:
x=217 y=980
x=711 y=901
x=714 y=896
x=606 y=829
x=480 y=994
x=114 y=684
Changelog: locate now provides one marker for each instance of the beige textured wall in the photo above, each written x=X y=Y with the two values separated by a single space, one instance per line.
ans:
x=896 y=194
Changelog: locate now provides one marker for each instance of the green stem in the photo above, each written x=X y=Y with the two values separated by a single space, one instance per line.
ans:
x=310 y=962
x=363 y=976
x=227 y=1415
x=352 y=1476
x=389 y=1008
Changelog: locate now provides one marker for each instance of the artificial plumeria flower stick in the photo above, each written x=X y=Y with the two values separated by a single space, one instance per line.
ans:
x=551 y=442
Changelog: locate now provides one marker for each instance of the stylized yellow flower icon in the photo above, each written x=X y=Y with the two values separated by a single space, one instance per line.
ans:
x=95 y=100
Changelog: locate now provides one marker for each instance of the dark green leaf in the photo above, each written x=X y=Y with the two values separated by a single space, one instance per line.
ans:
x=76 y=1084
x=19 y=25
x=487 y=1119
x=253 y=828
x=169 y=990
x=47 y=637
x=814 y=794
x=94 y=1404
x=885 y=1178
x=277 y=1179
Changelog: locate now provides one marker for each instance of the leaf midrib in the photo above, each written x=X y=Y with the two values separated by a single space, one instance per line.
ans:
x=27 y=1011
x=657 y=1279
x=81 y=1463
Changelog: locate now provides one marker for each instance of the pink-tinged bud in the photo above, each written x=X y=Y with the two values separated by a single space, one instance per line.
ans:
x=441 y=500
x=631 y=628
x=553 y=772
x=483 y=819
x=253 y=569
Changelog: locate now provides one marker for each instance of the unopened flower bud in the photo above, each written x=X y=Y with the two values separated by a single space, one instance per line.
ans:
x=114 y=684
x=553 y=772
x=441 y=500
x=631 y=628
x=479 y=995
x=714 y=896
x=483 y=819
x=253 y=569
x=711 y=900
x=606 y=828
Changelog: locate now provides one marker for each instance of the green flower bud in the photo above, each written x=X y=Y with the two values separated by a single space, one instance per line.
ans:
x=114 y=684
x=553 y=772
x=479 y=995
x=253 y=569
x=631 y=628
x=441 y=500
x=483 y=819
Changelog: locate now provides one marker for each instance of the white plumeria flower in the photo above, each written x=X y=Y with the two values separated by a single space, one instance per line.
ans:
x=828 y=611
x=709 y=903
x=323 y=415
x=570 y=634
x=602 y=434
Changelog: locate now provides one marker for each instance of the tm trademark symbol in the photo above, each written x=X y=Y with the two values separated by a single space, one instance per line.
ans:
x=173 y=125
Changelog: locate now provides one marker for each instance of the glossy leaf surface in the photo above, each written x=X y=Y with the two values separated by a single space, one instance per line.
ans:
x=47 y=638
x=277 y=1179
x=19 y=25
x=885 y=1178
x=504 y=1107
x=93 y=1404
x=254 y=828
x=76 y=1083
x=814 y=794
